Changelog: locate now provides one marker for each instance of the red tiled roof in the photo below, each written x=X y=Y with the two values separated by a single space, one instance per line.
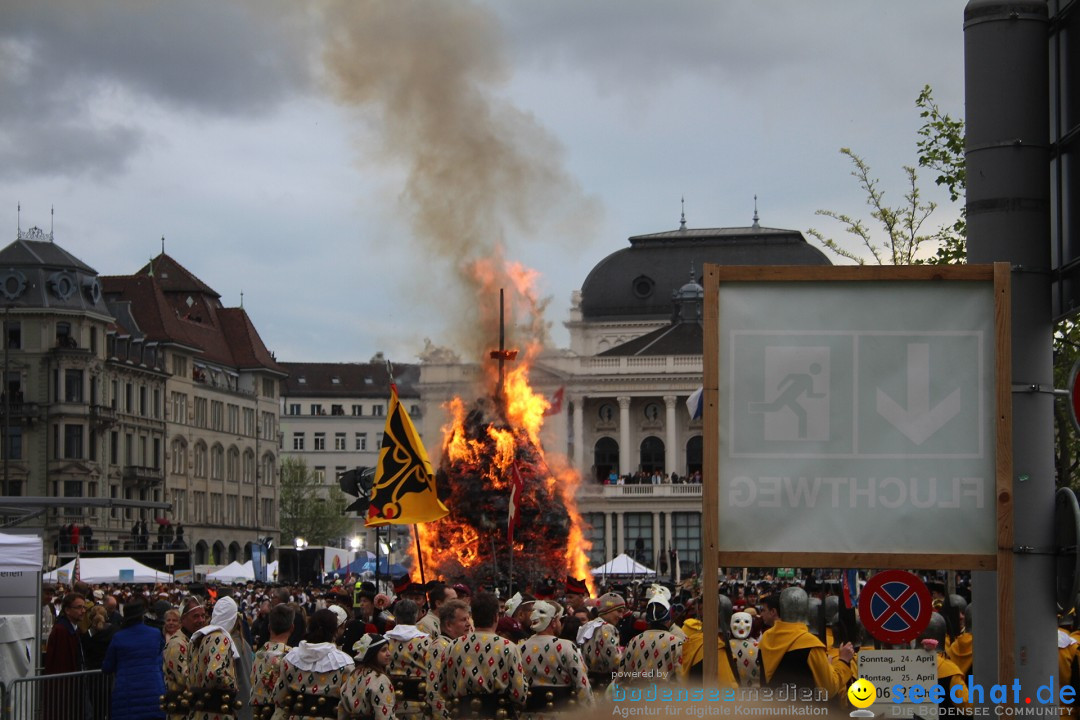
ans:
x=162 y=311
x=174 y=277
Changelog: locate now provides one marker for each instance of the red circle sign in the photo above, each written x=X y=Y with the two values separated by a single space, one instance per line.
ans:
x=895 y=606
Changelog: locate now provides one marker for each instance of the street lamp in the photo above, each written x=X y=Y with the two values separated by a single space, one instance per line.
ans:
x=354 y=544
x=300 y=544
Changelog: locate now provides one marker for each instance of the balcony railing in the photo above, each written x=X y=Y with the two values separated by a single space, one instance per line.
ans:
x=142 y=475
x=103 y=414
x=21 y=412
x=594 y=490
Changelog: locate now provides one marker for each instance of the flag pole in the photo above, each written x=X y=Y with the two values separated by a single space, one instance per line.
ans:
x=419 y=554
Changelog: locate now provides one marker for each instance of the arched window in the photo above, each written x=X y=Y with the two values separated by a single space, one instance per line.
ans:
x=234 y=552
x=269 y=469
x=606 y=458
x=200 y=459
x=201 y=553
x=693 y=455
x=178 y=459
x=652 y=454
x=217 y=462
x=249 y=467
x=232 y=467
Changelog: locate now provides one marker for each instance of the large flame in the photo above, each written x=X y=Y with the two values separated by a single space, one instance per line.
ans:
x=481 y=444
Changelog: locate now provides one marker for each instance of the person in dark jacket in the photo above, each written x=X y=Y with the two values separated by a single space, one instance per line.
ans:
x=96 y=639
x=134 y=655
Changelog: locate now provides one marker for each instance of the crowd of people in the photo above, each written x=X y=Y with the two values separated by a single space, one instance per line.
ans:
x=445 y=651
x=644 y=477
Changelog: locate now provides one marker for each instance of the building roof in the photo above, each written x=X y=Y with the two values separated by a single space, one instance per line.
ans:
x=182 y=310
x=348 y=380
x=35 y=272
x=685 y=338
x=637 y=282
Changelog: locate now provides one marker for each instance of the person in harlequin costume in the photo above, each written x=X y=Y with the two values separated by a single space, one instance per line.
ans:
x=599 y=640
x=410 y=656
x=552 y=664
x=483 y=670
x=744 y=649
x=949 y=676
x=267 y=666
x=174 y=663
x=455 y=621
x=790 y=654
x=312 y=674
x=368 y=692
x=213 y=664
x=655 y=654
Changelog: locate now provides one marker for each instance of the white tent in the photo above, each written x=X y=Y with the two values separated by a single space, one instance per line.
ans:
x=109 y=570
x=234 y=572
x=20 y=603
x=623 y=565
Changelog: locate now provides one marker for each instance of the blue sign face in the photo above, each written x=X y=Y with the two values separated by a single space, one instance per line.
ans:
x=896 y=608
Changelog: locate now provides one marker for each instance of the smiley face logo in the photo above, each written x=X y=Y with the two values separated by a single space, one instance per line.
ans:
x=862 y=693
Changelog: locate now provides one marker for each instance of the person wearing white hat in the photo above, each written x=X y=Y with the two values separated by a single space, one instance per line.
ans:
x=213 y=666
x=656 y=654
x=553 y=665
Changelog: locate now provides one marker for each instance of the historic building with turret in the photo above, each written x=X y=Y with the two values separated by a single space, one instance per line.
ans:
x=142 y=389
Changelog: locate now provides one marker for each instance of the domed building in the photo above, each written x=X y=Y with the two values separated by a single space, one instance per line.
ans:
x=635 y=357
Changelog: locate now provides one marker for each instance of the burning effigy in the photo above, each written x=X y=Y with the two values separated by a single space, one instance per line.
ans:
x=493 y=466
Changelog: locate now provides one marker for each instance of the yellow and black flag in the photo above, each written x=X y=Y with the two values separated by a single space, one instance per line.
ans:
x=403 y=492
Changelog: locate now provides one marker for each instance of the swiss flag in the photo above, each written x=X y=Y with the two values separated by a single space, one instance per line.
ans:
x=515 y=502
x=556 y=402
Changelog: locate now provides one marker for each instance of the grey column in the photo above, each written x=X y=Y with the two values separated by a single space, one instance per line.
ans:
x=657 y=549
x=624 y=435
x=609 y=539
x=578 y=425
x=671 y=452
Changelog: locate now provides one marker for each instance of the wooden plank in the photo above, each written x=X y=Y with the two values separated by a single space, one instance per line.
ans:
x=860 y=561
x=852 y=273
x=710 y=476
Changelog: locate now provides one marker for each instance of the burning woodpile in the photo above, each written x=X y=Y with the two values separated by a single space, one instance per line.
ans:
x=483 y=445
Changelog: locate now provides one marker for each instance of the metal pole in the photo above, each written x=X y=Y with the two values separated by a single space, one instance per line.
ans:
x=7 y=403
x=1007 y=155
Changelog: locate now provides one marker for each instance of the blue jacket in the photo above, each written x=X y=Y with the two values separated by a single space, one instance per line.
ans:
x=135 y=656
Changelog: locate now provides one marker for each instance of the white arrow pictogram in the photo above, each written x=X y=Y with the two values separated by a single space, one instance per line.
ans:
x=918 y=421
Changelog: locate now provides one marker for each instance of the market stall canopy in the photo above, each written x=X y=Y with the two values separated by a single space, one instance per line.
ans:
x=109 y=570
x=623 y=565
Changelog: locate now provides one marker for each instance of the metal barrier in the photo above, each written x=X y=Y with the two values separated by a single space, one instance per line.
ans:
x=67 y=696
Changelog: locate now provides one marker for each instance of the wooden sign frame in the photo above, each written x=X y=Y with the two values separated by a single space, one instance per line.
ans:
x=998 y=276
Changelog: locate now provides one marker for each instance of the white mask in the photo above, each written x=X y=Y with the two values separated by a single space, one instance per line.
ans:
x=740 y=625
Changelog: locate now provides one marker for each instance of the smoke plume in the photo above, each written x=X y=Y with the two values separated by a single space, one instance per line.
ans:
x=480 y=174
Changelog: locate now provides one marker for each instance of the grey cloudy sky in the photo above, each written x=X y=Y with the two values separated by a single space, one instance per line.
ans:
x=339 y=161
